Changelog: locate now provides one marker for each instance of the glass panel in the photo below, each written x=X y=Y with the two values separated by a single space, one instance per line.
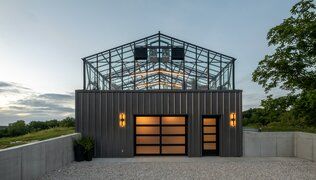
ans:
x=147 y=149
x=209 y=146
x=173 y=130
x=173 y=140
x=209 y=129
x=173 y=149
x=147 y=140
x=147 y=120
x=209 y=121
x=173 y=120
x=209 y=137
x=147 y=130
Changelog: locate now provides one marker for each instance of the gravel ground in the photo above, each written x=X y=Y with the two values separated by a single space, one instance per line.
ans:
x=188 y=168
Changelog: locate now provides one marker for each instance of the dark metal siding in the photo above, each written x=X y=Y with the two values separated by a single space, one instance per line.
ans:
x=97 y=115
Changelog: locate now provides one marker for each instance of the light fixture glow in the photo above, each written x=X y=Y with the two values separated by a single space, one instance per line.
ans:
x=232 y=118
x=160 y=71
x=122 y=120
x=178 y=85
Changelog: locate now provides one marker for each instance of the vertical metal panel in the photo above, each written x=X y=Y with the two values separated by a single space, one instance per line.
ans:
x=232 y=131
x=130 y=124
x=77 y=111
x=92 y=114
x=147 y=103
x=165 y=101
x=86 y=120
x=189 y=111
x=177 y=103
x=98 y=123
x=116 y=150
x=104 y=135
x=239 y=136
x=195 y=128
x=97 y=116
x=201 y=110
x=110 y=125
x=225 y=125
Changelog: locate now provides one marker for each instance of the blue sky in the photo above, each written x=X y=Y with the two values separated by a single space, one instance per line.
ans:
x=42 y=43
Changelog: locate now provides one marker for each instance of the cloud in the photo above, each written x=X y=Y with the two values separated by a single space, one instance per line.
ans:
x=9 y=91
x=47 y=104
x=9 y=87
x=57 y=96
x=19 y=102
x=4 y=84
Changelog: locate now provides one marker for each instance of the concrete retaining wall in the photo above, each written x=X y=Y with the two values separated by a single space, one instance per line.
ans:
x=305 y=145
x=32 y=160
x=280 y=144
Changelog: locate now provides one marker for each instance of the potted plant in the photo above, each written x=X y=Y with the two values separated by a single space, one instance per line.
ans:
x=88 y=144
x=79 y=150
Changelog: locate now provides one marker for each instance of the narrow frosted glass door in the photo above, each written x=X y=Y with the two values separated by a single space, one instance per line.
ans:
x=210 y=136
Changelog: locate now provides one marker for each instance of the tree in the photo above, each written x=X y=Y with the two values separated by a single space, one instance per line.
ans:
x=52 y=123
x=255 y=117
x=67 y=122
x=291 y=67
x=17 y=128
x=4 y=133
x=304 y=107
x=37 y=126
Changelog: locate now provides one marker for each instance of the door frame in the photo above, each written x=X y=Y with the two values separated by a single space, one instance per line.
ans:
x=160 y=135
x=210 y=152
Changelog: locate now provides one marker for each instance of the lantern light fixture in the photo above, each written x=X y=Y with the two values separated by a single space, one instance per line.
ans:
x=122 y=120
x=232 y=118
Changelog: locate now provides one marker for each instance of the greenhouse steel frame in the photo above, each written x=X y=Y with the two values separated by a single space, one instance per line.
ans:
x=117 y=68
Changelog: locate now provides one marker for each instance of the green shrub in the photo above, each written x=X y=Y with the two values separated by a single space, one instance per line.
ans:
x=52 y=123
x=256 y=116
x=67 y=122
x=88 y=143
x=4 y=133
x=37 y=126
x=17 y=128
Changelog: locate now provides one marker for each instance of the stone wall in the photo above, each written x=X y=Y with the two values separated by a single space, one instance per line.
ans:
x=32 y=160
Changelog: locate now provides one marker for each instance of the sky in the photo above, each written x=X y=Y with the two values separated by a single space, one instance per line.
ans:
x=42 y=43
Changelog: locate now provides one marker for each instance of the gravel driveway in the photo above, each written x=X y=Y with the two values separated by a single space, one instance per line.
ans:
x=188 y=168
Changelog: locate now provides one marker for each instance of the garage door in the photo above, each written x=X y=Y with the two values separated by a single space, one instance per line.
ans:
x=160 y=135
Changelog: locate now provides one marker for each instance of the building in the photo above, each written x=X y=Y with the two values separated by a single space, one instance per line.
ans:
x=160 y=96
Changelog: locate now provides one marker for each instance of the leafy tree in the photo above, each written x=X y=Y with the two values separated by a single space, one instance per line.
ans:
x=4 y=133
x=291 y=67
x=304 y=107
x=37 y=126
x=274 y=108
x=52 y=123
x=255 y=116
x=67 y=122
x=17 y=128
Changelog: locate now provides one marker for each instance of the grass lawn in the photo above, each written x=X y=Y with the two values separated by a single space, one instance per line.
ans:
x=35 y=136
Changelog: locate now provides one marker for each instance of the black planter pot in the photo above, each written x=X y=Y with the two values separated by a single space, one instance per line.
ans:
x=88 y=155
x=79 y=153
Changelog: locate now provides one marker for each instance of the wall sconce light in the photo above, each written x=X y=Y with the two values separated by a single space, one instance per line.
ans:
x=122 y=120
x=232 y=118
